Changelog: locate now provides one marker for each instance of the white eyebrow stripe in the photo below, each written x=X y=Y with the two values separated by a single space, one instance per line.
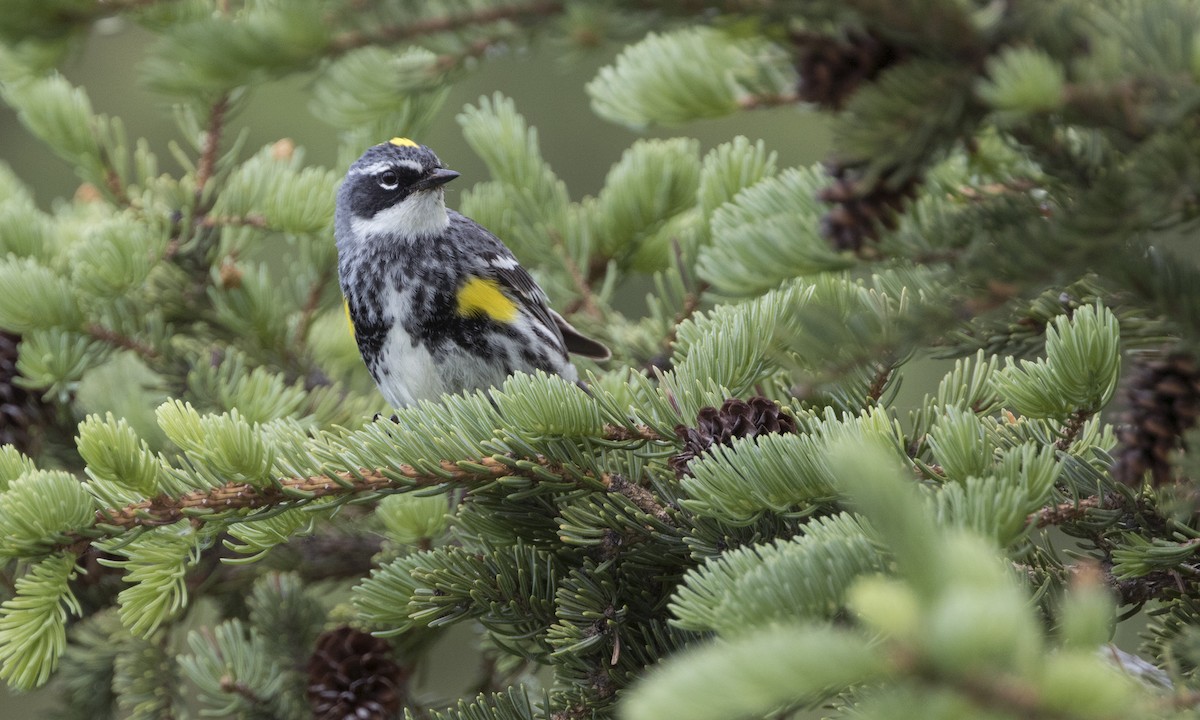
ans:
x=381 y=166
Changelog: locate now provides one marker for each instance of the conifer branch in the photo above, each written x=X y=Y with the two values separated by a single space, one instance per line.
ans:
x=1124 y=100
x=396 y=33
x=211 y=145
x=116 y=339
x=1071 y=429
x=1005 y=693
x=691 y=303
x=255 y=221
x=639 y=496
x=1064 y=512
x=311 y=304
x=237 y=687
x=583 y=284
x=616 y=433
x=112 y=179
x=879 y=382
x=1182 y=701
x=1157 y=585
x=165 y=510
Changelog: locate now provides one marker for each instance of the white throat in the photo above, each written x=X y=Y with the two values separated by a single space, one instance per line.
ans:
x=420 y=215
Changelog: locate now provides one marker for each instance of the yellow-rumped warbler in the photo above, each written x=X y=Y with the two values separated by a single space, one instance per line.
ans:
x=438 y=303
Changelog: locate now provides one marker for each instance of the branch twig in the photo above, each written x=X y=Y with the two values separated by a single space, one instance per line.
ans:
x=112 y=337
x=1071 y=429
x=396 y=33
x=211 y=145
x=198 y=504
x=1064 y=512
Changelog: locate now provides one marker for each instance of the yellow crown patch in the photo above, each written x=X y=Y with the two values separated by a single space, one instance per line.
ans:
x=403 y=142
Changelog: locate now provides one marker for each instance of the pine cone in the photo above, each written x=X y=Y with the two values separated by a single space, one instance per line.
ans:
x=22 y=412
x=735 y=419
x=832 y=68
x=1164 y=401
x=860 y=210
x=352 y=675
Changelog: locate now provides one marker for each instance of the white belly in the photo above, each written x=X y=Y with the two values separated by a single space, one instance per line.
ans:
x=411 y=373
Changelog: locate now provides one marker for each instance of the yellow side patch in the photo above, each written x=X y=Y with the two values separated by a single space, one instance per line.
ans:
x=403 y=142
x=349 y=320
x=483 y=297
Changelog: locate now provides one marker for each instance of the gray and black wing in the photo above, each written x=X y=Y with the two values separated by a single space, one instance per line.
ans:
x=496 y=262
x=520 y=283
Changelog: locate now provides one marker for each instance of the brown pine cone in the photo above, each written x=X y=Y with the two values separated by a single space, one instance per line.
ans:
x=1164 y=402
x=351 y=674
x=22 y=412
x=736 y=419
x=832 y=68
x=861 y=209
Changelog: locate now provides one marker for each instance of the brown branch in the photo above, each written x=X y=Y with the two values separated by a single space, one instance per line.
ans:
x=583 y=285
x=996 y=690
x=1071 y=429
x=236 y=687
x=1181 y=700
x=252 y=220
x=422 y=28
x=165 y=510
x=617 y=433
x=639 y=496
x=879 y=382
x=1064 y=512
x=691 y=303
x=112 y=179
x=211 y=145
x=311 y=303
x=1008 y=693
x=112 y=337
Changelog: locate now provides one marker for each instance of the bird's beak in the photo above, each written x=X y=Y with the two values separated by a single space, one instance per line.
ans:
x=438 y=177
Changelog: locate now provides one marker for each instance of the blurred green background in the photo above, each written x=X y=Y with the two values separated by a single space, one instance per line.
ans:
x=547 y=83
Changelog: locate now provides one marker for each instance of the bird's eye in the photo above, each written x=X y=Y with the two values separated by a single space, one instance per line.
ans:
x=388 y=180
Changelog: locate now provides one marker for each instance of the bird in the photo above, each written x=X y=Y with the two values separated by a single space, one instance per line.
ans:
x=437 y=303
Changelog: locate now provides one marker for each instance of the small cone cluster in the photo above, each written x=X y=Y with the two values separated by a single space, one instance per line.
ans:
x=351 y=674
x=735 y=419
x=22 y=412
x=861 y=210
x=832 y=68
x=1164 y=402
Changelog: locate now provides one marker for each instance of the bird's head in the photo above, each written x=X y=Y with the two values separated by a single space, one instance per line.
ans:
x=394 y=191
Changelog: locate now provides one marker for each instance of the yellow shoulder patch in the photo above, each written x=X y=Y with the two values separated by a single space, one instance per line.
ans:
x=479 y=297
x=403 y=142
x=349 y=320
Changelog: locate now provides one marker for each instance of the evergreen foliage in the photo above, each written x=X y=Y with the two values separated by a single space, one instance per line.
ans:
x=1012 y=185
